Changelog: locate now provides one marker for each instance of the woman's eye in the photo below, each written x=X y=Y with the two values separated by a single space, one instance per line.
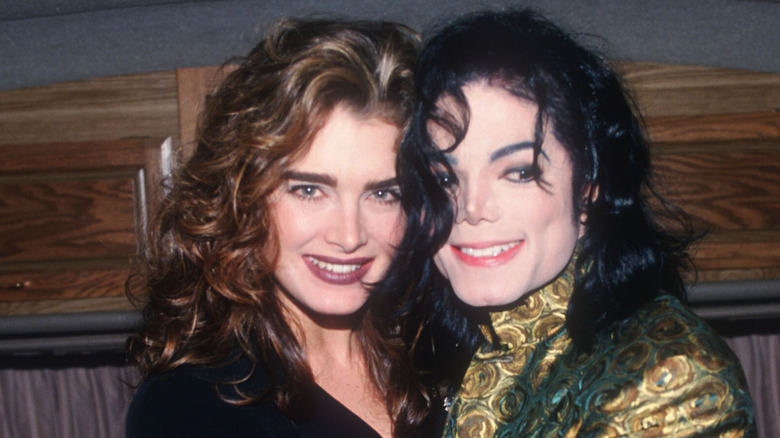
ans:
x=522 y=174
x=305 y=191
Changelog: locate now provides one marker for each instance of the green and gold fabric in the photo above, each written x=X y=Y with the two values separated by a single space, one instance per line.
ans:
x=662 y=373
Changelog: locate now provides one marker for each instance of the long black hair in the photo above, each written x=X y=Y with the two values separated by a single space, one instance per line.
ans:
x=627 y=257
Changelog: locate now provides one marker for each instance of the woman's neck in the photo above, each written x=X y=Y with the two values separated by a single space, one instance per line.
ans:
x=338 y=363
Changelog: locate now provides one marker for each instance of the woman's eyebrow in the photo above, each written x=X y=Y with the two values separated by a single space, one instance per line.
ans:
x=311 y=177
x=319 y=178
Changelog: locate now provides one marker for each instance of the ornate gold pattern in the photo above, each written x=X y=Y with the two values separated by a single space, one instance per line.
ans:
x=663 y=372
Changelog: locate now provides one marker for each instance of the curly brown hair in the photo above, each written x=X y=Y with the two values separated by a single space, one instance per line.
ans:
x=211 y=255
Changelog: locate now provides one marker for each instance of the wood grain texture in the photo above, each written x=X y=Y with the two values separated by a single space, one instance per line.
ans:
x=724 y=191
x=39 y=307
x=194 y=84
x=678 y=90
x=746 y=249
x=730 y=274
x=73 y=217
x=67 y=219
x=720 y=127
x=98 y=109
x=724 y=170
x=52 y=157
x=716 y=137
x=64 y=283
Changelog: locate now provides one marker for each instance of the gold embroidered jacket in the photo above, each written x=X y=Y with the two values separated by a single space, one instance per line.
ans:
x=662 y=373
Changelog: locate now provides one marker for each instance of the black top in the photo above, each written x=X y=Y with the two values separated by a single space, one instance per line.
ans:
x=184 y=403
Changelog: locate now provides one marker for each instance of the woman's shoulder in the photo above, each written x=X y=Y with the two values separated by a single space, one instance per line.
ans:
x=193 y=401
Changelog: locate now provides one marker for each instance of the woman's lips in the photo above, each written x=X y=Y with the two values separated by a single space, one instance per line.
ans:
x=486 y=255
x=337 y=271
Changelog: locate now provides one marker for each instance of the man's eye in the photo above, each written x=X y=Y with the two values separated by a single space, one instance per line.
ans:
x=387 y=196
x=446 y=180
x=523 y=174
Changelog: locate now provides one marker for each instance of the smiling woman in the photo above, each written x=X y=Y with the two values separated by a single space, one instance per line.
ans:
x=260 y=319
x=338 y=218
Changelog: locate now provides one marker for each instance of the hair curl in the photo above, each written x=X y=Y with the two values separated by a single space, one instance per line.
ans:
x=211 y=256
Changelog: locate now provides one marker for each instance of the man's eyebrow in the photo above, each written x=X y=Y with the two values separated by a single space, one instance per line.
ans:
x=318 y=178
x=385 y=183
x=510 y=149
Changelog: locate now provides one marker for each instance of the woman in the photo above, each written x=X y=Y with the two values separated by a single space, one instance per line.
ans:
x=526 y=174
x=259 y=320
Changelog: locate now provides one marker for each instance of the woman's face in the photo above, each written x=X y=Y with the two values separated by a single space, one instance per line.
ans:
x=511 y=234
x=338 y=217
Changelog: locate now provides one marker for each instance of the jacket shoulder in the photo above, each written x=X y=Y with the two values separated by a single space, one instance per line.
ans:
x=187 y=402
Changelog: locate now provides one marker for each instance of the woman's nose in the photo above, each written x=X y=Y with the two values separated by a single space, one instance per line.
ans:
x=346 y=229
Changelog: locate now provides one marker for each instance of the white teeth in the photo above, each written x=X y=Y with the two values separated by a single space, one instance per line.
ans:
x=488 y=252
x=338 y=269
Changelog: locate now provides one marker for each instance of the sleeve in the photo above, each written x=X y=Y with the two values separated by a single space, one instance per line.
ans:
x=184 y=406
x=685 y=382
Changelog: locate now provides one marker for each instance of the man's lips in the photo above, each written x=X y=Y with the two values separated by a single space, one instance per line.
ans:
x=338 y=271
x=487 y=255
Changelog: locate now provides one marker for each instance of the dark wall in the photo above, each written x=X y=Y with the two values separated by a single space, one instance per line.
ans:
x=47 y=41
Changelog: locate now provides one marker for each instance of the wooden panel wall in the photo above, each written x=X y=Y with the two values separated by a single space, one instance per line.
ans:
x=72 y=217
x=122 y=107
x=716 y=136
x=725 y=172
x=98 y=109
x=194 y=84
x=664 y=90
x=716 y=145
x=716 y=140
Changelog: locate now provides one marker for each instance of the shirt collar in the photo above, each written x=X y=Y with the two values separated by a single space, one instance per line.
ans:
x=540 y=314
